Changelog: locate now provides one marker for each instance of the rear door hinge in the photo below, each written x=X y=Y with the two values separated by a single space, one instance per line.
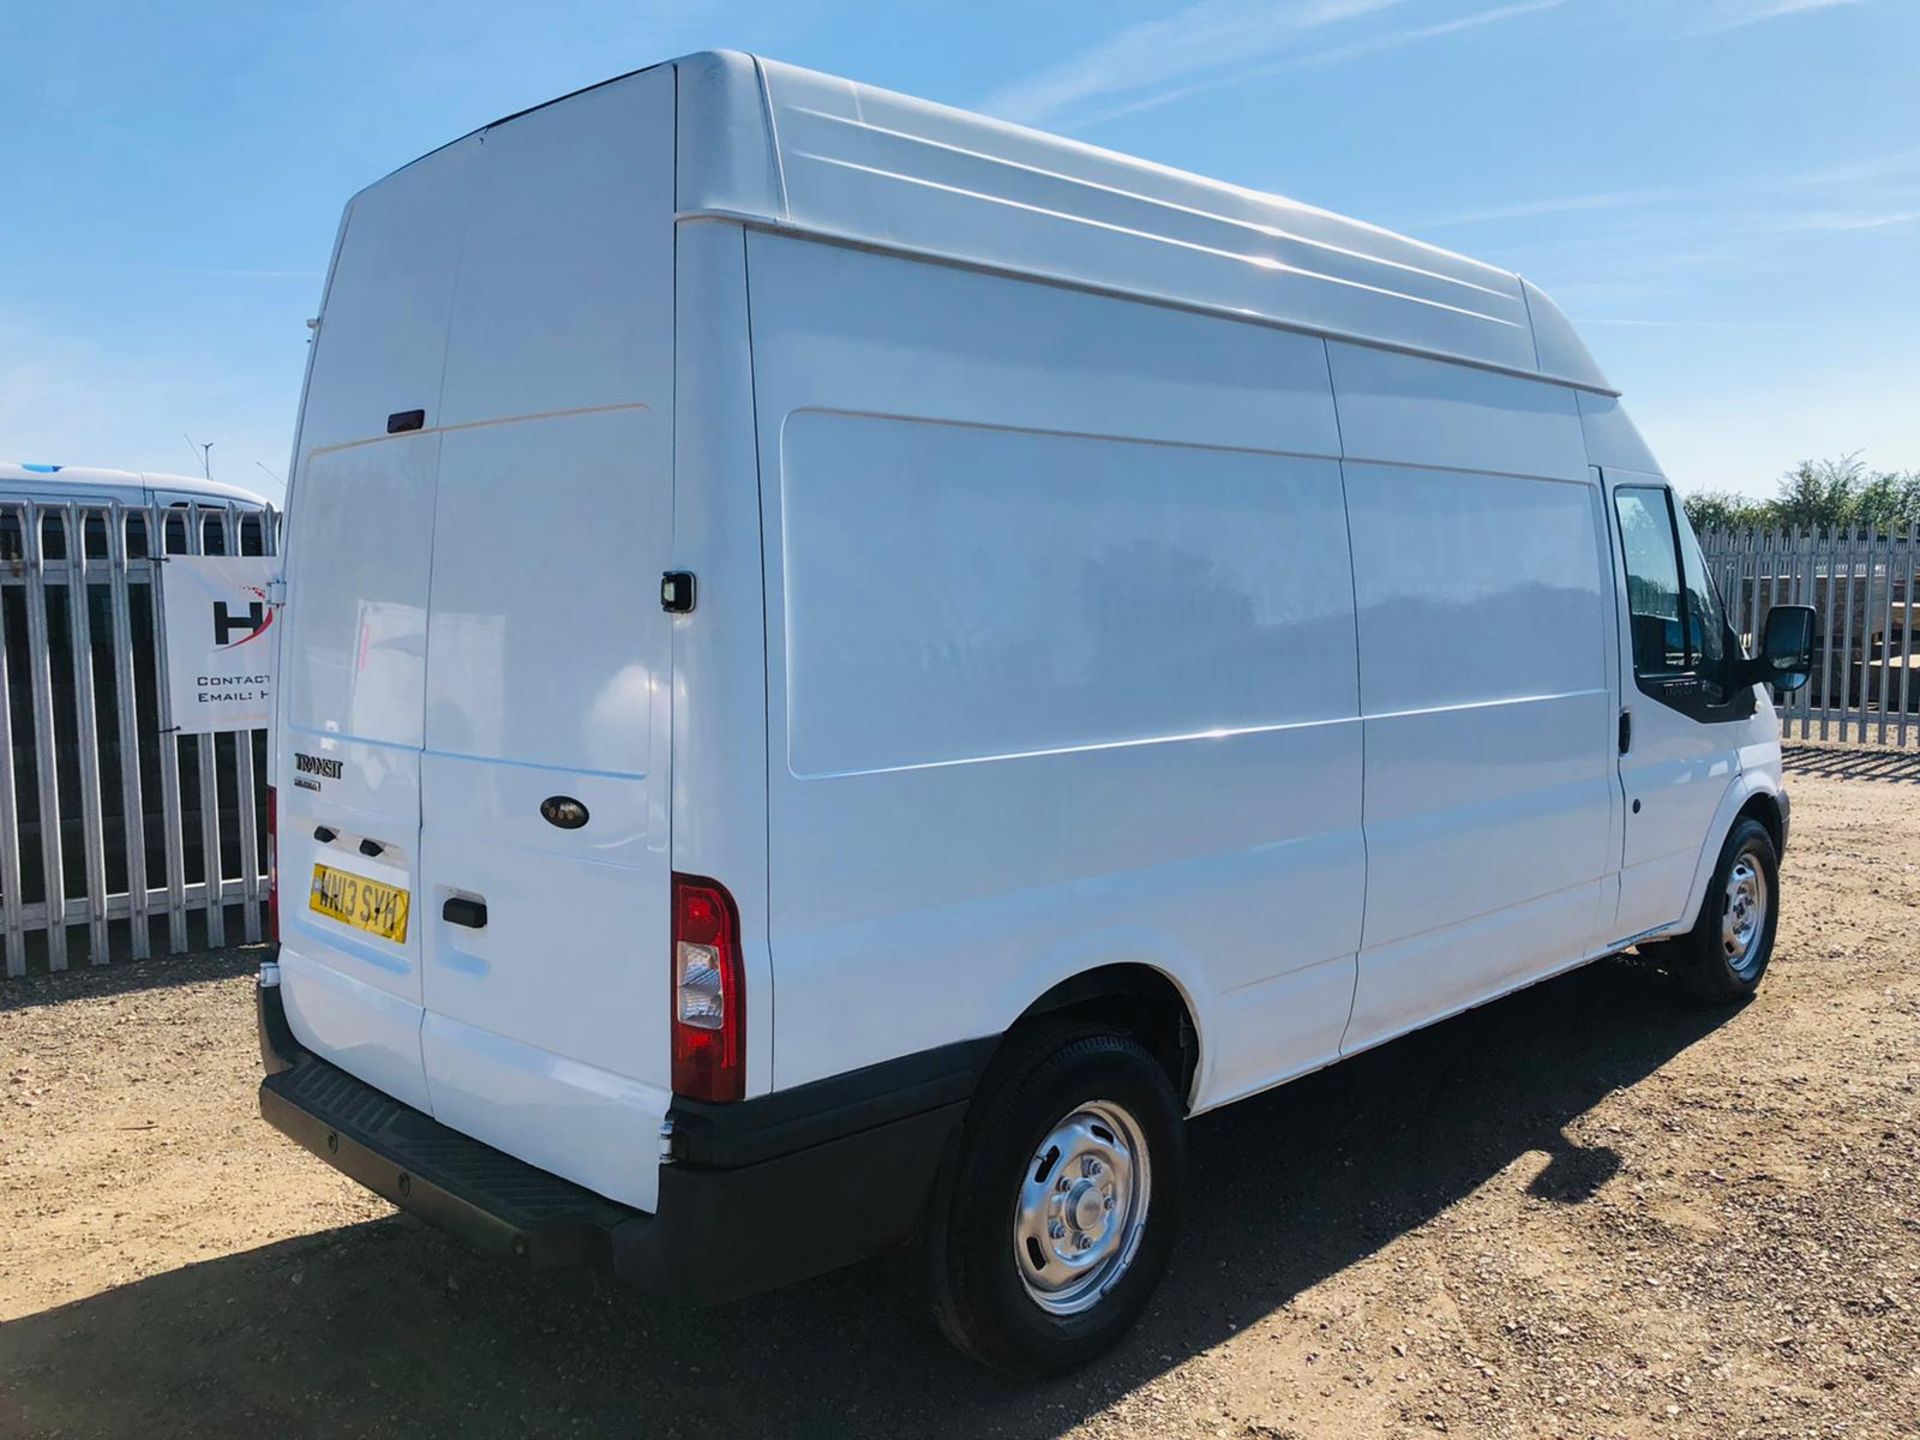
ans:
x=276 y=592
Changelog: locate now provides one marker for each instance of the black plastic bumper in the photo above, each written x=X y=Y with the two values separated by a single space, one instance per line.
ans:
x=758 y=1194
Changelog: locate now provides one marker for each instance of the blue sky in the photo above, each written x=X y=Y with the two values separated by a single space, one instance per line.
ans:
x=1725 y=194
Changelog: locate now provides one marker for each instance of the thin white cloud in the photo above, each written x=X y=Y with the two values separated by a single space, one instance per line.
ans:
x=1206 y=38
x=227 y=272
x=1583 y=294
x=1858 y=171
x=221 y=272
x=1850 y=220
x=1699 y=324
x=1394 y=39
x=1892 y=204
x=1332 y=55
x=1738 y=14
x=1557 y=205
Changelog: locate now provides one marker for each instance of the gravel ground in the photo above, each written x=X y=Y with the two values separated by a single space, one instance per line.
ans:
x=1588 y=1210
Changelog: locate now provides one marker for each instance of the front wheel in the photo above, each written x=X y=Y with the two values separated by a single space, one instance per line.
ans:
x=1722 y=959
x=1054 y=1222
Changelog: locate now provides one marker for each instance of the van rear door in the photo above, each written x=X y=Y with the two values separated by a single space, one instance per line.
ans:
x=360 y=547
x=479 y=604
x=544 y=843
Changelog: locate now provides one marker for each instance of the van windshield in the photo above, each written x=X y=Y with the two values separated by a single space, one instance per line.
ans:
x=1653 y=581
x=1707 y=617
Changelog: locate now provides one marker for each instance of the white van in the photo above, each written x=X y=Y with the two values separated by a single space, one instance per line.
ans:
x=57 y=484
x=847 y=666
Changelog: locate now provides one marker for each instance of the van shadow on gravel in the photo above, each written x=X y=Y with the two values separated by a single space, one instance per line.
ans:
x=388 y=1327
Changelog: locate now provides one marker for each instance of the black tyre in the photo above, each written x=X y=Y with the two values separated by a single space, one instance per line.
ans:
x=1724 y=957
x=1056 y=1214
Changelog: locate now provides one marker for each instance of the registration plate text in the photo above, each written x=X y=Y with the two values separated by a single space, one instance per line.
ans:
x=362 y=903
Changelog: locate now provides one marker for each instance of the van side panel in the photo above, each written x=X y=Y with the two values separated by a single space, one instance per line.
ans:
x=1484 y=617
x=872 y=165
x=1061 y=663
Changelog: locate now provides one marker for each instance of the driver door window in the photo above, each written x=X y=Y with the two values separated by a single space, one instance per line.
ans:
x=1653 y=582
x=1679 y=628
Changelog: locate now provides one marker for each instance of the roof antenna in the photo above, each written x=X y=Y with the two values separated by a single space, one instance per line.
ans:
x=206 y=464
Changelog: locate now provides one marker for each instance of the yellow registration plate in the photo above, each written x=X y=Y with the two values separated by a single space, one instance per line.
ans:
x=362 y=903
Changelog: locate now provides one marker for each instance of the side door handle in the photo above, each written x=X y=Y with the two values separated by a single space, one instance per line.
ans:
x=459 y=910
x=1626 y=731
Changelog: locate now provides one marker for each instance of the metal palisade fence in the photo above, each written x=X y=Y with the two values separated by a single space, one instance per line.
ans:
x=1861 y=583
x=116 y=837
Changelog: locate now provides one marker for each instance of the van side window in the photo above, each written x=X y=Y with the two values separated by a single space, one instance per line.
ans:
x=1653 y=581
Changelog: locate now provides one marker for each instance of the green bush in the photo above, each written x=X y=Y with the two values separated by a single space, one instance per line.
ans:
x=1816 y=494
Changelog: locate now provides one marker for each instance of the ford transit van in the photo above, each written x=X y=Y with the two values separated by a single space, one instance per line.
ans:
x=847 y=666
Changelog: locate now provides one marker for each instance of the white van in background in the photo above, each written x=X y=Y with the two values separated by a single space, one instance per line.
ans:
x=54 y=484
x=847 y=666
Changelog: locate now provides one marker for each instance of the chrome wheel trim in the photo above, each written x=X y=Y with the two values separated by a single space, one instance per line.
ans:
x=1743 y=914
x=1081 y=1209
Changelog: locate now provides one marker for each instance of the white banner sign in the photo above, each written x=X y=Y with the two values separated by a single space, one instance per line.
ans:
x=220 y=641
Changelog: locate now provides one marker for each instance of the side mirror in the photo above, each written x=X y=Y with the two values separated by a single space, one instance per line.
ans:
x=1786 y=648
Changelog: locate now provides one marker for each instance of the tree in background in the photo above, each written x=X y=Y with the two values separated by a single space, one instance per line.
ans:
x=1816 y=494
x=1709 y=510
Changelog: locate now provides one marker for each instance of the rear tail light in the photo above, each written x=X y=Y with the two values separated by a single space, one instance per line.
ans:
x=273 y=864
x=709 y=993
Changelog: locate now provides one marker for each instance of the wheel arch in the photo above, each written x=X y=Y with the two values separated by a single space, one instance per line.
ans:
x=1754 y=794
x=1139 y=1000
x=1764 y=806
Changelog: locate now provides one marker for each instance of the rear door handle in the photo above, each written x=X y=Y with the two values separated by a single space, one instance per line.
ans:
x=461 y=911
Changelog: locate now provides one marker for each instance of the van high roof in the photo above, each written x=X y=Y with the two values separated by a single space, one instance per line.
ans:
x=790 y=149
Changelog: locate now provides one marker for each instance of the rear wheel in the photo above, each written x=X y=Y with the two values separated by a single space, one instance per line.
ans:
x=1724 y=957
x=1055 y=1219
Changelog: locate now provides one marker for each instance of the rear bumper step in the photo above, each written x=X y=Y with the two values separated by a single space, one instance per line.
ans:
x=495 y=1202
x=826 y=1174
